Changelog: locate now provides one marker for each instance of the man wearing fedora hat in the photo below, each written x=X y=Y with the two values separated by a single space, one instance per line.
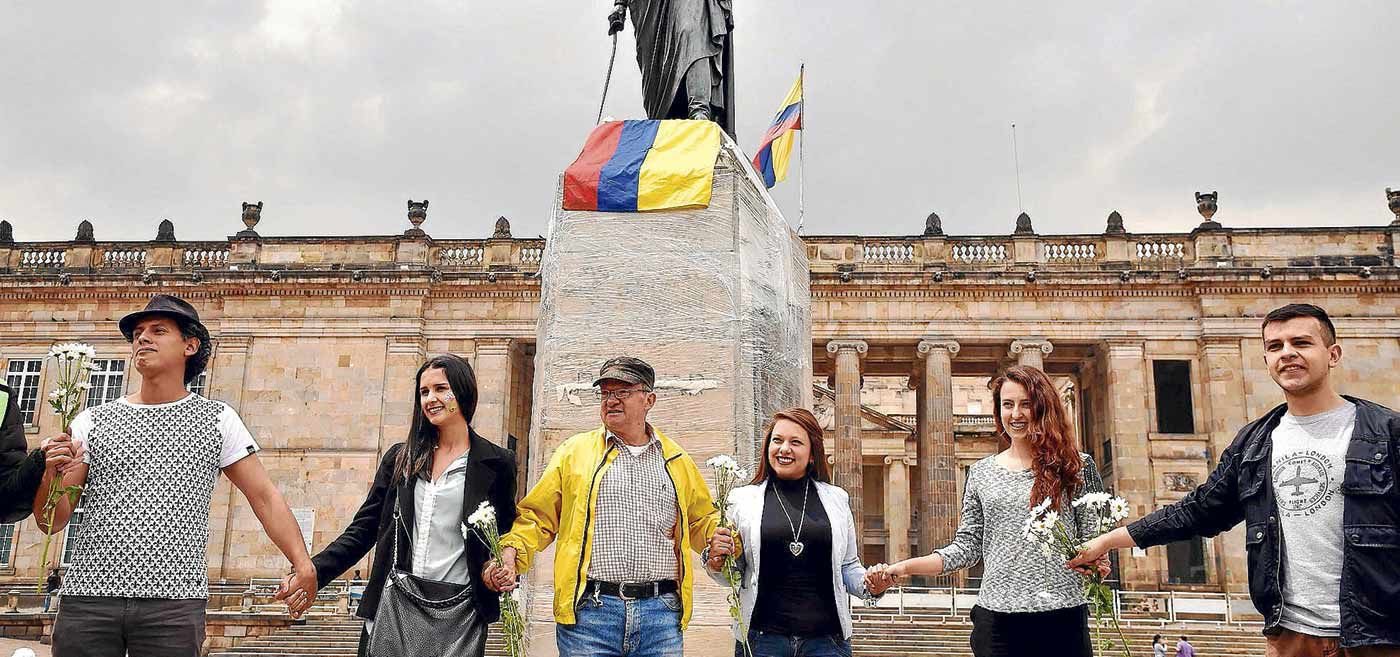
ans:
x=138 y=583
x=624 y=502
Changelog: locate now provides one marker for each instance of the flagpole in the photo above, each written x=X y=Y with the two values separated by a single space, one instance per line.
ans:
x=801 y=161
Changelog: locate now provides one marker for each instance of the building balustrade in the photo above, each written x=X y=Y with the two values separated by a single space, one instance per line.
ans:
x=331 y=253
x=1209 y=250
x=1342 y=249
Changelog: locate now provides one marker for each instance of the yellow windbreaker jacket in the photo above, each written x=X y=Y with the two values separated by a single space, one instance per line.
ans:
x=561 y=506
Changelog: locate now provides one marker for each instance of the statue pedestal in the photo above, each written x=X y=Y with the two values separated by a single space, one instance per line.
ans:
x=716 y=300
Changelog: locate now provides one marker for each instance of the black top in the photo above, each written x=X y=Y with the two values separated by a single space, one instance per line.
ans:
x=490 y=477
x=795 y=594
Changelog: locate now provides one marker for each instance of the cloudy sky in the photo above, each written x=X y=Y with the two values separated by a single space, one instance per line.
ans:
x=335 y=113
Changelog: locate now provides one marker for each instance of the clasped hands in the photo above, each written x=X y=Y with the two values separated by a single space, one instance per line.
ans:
x=500 y=575
x=882 y=576
x=298 y=589
x=726 y=542
x=62 y=454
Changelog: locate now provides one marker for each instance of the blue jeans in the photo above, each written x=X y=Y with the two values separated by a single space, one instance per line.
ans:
x=765 y=644
x=608 y=626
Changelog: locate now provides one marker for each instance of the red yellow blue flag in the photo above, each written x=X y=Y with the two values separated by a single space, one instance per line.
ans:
x=641 y=165
x=775 y=150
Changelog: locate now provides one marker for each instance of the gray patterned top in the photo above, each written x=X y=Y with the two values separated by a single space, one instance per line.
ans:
x=1018 y=577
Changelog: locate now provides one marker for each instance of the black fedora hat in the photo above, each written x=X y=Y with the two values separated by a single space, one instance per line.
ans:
x=167 y=306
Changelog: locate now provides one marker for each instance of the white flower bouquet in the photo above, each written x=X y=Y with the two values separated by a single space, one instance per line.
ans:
x=74 y=362
x=728 y=476
x=482 y=524
x=1044 y=528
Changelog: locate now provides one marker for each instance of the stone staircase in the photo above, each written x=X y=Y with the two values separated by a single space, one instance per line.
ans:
x=878 y=633
x=886 y=633
x=323 y=635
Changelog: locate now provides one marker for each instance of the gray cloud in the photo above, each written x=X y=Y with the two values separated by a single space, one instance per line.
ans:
x=334 y=113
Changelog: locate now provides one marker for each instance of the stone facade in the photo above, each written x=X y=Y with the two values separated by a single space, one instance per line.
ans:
x=317 y=339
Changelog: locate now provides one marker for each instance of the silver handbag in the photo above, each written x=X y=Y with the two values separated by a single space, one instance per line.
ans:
x=419 y=616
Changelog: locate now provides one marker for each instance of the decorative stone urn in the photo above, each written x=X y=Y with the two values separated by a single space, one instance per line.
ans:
x=1206 y=205
x=252 y=214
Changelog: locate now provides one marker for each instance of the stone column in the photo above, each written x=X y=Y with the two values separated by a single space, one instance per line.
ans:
x=403 y=355
x=227 y=375
x=227 y=369
x=846 y=447
x=1031 y=352
x=493 y=383
x=938 y=491
x=1225 y=413
x=1126 y=397
x=897 y=511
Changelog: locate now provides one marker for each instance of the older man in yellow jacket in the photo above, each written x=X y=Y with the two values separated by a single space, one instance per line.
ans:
x=624 y=502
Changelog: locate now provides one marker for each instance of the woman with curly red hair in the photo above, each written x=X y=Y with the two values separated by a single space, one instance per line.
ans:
x=1028 y=601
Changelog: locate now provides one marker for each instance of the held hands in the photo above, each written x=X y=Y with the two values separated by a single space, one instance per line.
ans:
x=723 y=544
x=62 y=454
x=881 y=577
x=1092 y=556
x=500 y=575
x=298 y=589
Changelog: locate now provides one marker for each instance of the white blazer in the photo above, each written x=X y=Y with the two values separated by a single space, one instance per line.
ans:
x=745 y=510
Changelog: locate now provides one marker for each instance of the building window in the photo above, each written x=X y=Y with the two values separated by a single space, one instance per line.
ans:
x=108 y=380
x=70 y=536
x=23 y=379
x=1172 y=380
x=1186 y=561
x=7 y=543
x=200 y=383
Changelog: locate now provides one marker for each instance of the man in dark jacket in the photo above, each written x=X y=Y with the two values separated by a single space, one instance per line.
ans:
x=20 y=469
x=1314 y=482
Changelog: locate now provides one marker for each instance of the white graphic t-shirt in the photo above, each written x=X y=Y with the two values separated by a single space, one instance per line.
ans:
x=152 y=470
x=1309 y=458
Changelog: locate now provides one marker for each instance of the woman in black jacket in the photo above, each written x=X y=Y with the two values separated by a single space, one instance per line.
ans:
x=435 y=479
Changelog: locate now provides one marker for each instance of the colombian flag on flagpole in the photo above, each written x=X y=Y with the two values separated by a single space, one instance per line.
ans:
x=775 y=150
x=635 y=166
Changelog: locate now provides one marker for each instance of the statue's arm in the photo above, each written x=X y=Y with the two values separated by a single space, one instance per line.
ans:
x=617 y=19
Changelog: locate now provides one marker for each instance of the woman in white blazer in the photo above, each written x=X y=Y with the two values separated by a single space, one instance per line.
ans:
x=799 y=557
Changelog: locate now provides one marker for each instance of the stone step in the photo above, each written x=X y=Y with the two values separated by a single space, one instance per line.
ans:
x=877 y=634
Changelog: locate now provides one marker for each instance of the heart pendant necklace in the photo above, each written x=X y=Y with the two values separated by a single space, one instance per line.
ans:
x=795 y=546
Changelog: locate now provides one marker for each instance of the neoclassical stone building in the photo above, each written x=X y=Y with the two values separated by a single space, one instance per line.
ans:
x=1153 y=340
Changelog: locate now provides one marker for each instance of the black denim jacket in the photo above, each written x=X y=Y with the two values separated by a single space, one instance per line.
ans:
x=1240 y=488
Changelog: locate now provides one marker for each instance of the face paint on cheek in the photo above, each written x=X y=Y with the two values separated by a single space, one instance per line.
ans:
x=449 y=398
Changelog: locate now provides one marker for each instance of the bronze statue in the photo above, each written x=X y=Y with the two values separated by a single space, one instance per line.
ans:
x=685 y=55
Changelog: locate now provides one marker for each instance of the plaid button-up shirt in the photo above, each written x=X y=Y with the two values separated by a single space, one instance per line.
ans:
x=635 y=526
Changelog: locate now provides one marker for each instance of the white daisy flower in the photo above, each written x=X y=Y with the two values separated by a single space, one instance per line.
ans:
x=484 y=516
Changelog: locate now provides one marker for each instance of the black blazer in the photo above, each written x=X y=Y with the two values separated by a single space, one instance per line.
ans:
x=490 y=477
x=21 y=470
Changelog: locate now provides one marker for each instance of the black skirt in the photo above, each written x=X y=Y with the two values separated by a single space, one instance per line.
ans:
x=1060 y=632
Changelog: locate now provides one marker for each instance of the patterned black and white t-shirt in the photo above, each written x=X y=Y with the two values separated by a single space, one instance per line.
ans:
x=152 y=470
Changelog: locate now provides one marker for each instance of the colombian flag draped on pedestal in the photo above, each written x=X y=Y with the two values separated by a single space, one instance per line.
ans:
x=635 y=166
x=771 y=162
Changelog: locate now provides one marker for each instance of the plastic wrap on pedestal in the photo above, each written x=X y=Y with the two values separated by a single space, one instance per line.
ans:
x=716 y=300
